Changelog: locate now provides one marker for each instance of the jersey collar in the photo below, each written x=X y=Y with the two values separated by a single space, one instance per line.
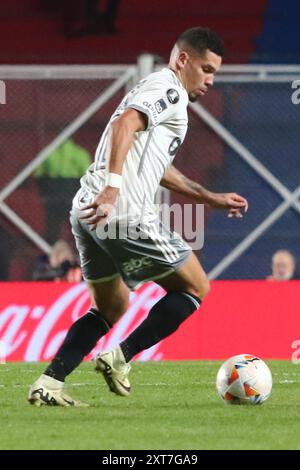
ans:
x=175 y=78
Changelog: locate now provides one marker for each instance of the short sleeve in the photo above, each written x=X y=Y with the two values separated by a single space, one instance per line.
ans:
x=159 y=102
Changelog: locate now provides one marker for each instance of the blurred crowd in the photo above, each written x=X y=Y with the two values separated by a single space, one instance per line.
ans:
x=283 y=266
x=60 y=265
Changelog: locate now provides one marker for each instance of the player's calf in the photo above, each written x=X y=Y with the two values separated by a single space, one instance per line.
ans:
x=164 y=318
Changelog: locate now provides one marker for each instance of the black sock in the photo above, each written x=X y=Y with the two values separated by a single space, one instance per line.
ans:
x=163 y=319
x=80 y=340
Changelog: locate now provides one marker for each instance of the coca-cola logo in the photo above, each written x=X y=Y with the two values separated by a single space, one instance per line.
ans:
x=2 y=352
x=33 y=331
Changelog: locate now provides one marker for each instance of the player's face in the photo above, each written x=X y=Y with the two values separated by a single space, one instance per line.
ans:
x=198 y=73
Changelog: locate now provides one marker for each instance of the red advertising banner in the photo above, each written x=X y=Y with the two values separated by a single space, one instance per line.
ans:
x=256 y=317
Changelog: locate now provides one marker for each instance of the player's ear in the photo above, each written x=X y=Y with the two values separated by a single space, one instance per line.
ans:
x=182 y=59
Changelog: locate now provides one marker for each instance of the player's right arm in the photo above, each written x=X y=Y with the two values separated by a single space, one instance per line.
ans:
x=121 y=136
x=122 y=131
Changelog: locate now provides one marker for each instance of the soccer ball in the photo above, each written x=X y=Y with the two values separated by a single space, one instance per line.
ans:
x=244 y=379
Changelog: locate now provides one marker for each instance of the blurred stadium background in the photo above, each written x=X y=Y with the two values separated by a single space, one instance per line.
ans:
x=243 y=137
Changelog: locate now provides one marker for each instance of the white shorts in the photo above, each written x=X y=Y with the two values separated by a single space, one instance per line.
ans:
x=153 y=254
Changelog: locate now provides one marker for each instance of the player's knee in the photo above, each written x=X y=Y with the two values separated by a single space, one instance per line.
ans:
x=205 y=289
x=119 y=308
x=114 y=309
x=202 y=290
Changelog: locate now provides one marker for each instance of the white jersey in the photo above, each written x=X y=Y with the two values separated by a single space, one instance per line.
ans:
x=163 y=99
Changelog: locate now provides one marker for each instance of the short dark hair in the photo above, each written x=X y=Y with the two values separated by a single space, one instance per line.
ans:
x=201 y=39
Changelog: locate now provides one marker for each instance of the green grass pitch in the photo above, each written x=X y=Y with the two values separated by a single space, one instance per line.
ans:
x=173 y=405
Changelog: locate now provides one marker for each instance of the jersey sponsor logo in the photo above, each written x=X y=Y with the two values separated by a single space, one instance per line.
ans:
x=160 y=105
x=153 y=110
x=174 y=146
x=147 y=104
x=173 y=96
x=135 y=264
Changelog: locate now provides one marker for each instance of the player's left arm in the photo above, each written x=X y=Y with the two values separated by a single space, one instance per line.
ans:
x=174 y=180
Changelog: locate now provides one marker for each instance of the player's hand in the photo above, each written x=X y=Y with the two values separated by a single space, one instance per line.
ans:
x=100 y=208
x=236 y=204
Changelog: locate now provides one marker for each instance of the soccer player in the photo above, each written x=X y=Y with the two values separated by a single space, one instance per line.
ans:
x=133 y=158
